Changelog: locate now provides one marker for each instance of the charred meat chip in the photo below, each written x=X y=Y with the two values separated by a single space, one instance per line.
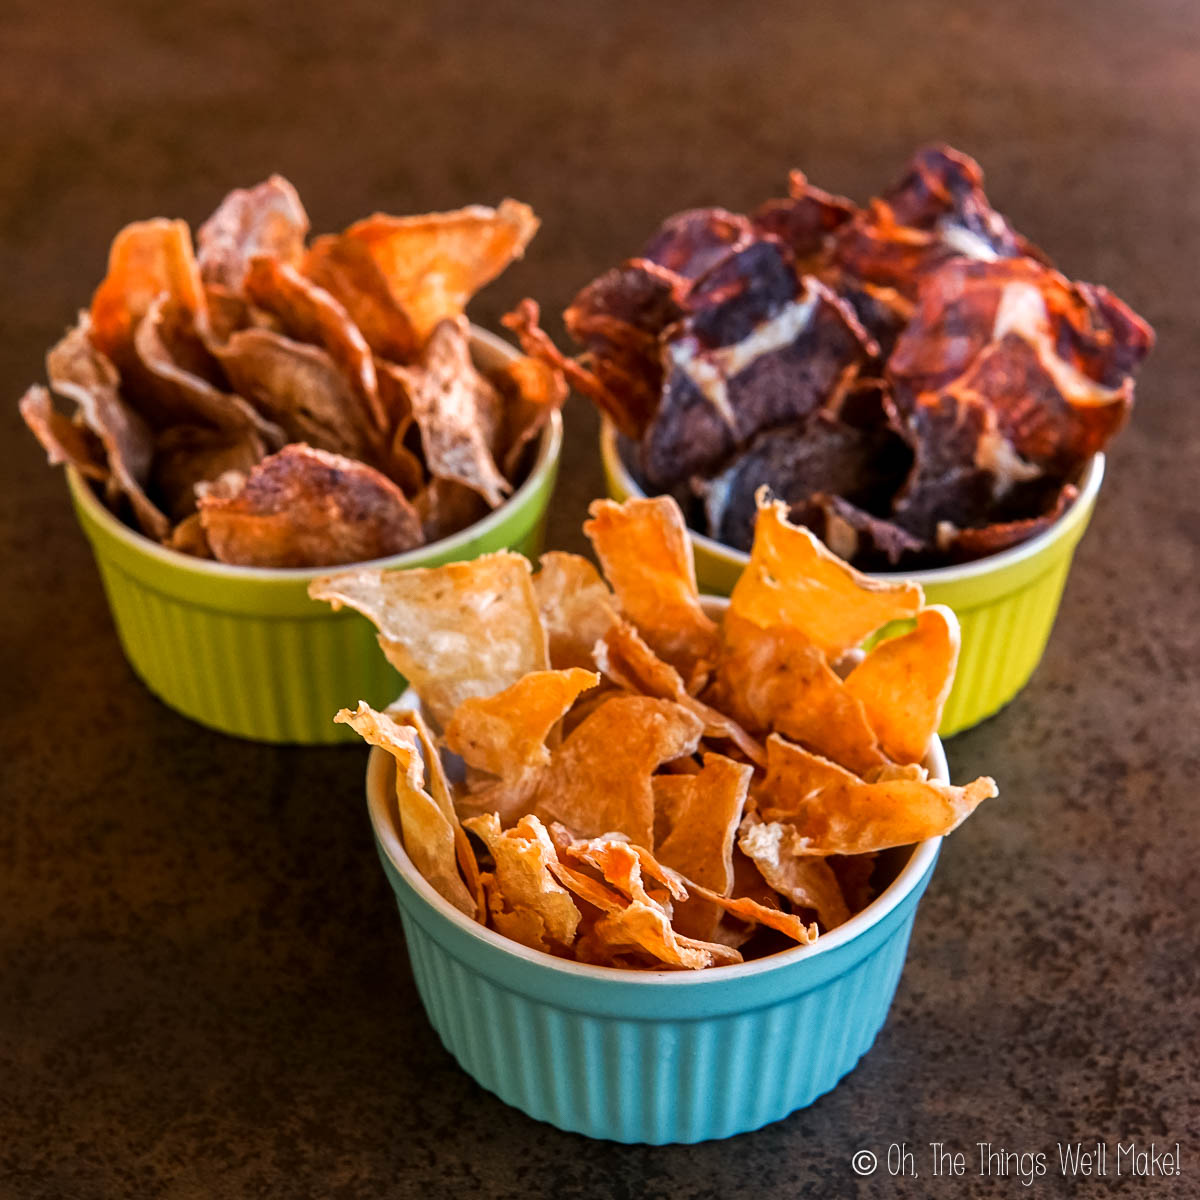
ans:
x=913 y=379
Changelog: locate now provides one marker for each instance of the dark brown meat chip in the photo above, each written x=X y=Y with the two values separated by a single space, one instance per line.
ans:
x=716 y=399
x=691 y=242
x=307 y=508
x=963 y=545
x=936 y=213
x=744 y=351
x=873 y=543
x=820 y=456
x=805 y=219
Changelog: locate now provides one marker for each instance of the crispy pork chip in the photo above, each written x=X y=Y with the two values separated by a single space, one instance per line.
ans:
x=179 y=389
x=834 y=811
x=148 y=259
x=80 y=372
x=456 y=631
x=427 y=831
x=300 y=388
x=310 y=314
x=794 y=580
x=266 y=219
x=458 y=413
x=61 y=438
x=645 y=552
x=434 y=264
x=305 y=507
x=346 y=269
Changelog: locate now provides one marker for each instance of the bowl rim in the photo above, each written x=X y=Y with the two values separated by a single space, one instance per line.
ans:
x=548 y=453
x=1089 y=487
x=920 y=861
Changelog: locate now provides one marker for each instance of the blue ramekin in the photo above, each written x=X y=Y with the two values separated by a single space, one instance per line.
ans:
x=663 y=1056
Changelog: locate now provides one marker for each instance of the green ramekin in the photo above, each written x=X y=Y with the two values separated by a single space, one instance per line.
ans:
x=243 y=649
x=1006 y=603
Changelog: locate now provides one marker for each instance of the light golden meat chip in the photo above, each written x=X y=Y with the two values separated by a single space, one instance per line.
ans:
x=506 y=734
x=426 y=831
x=525 y=901
x=576 y=606
x=794 y=581
x=460 y=630
x=806 y=881
x=834 y=811
x=776 y=679
x=701 y=814
x=644 y=549
x=598 y=780
x=902 y=684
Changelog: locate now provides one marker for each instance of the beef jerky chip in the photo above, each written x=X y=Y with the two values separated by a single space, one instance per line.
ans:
x=691 y=242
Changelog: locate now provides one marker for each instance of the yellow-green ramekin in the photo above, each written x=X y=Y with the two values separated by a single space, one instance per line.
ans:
x=1006 y=603
x=244 y=649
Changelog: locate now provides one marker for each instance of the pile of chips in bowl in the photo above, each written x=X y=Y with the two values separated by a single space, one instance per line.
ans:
x=604 y=772
x=267 y=401
x=913 y=378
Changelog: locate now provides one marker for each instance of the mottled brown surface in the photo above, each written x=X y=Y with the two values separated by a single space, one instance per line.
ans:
x=203 y=988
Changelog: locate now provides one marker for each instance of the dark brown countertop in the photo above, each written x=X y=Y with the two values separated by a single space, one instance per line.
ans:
x=203 y=986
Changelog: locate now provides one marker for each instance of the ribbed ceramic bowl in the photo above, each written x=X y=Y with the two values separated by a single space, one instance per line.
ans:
x=1006 y=603
x=243 y=649
x=663 y=1056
